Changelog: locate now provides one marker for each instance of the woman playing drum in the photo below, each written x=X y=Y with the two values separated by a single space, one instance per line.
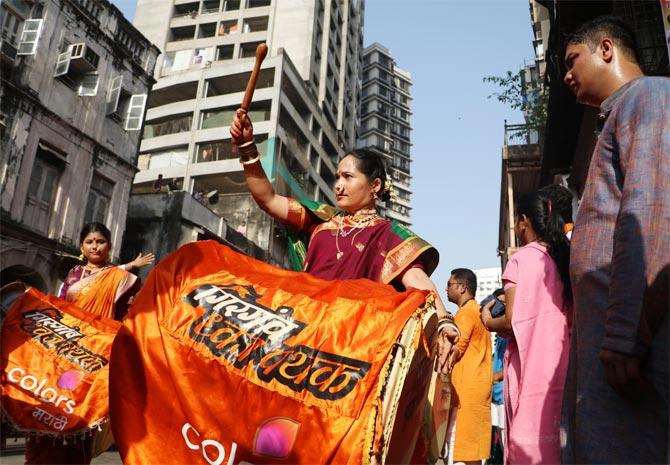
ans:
x=350 y=241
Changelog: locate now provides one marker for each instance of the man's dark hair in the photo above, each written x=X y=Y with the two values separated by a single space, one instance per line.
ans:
x=467 y=277
x=561 y=200
x=593 y=32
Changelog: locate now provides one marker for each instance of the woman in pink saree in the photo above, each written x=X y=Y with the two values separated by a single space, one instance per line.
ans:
x=537 y=318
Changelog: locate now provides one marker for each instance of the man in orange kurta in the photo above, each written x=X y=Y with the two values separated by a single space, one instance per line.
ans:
x=470 y=426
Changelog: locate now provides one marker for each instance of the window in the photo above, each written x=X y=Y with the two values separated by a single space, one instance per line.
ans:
x=32 y=28
x=172 y=94
x=221 y=117
x=99 y=198
x=231 y=5
x=135 y=114
x=168 y=125
x=207 y=30
x=258 y=3
x=227 y=27
x=123 y=106
x=88 y=85
x=186 y=9
x=232 y=83
x=10 y=27
x=224 y=52
x=248 y=50
x=113 y=94
x=256 y=24
x=202 y=55
x=183 y=33
x=76 y=67
x=210 y=6
x=223 y=149
x=41 y=191
x=175 y=156
x=215 y=151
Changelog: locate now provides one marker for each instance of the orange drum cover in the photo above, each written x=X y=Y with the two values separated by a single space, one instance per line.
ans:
x=55 y=366
x=224 y=359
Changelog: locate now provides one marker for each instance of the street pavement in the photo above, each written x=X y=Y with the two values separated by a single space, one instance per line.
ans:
x=13 y=455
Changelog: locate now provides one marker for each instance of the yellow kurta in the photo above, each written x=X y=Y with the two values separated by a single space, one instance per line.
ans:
x=472 y=378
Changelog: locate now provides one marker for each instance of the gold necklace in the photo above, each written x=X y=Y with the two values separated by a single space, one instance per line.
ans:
x=358 y=225
x=91 y=267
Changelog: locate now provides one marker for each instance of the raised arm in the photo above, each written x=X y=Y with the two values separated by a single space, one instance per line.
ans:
x=242 y=134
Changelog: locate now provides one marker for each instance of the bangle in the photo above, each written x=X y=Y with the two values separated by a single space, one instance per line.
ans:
x=250 y=162
x=444 y=322
x=247 y=151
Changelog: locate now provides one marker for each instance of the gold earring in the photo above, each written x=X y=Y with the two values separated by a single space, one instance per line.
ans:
x=81 y=257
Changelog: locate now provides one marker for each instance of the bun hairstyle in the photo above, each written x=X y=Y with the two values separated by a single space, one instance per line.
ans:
x=94 y=227
x=548 y=225
x=372 y=165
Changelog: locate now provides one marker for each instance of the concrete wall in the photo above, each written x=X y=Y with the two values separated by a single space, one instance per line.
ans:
x=293 y=30
x=163 y=222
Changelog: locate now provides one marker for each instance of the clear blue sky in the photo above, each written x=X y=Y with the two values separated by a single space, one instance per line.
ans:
x=449 y=46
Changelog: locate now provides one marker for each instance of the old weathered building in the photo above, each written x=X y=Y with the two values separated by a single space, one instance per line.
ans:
x=75 y=79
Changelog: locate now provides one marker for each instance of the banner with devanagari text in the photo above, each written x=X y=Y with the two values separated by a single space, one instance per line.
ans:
x=55 y=366
x=224 y=359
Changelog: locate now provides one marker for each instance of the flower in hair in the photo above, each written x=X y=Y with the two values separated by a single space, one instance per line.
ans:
x=388 y=188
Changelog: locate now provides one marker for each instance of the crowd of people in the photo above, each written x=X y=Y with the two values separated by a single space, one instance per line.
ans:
x=582 y=345
x=579 y=373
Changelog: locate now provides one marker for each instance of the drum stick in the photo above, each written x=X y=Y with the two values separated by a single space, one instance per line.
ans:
x=261 y=52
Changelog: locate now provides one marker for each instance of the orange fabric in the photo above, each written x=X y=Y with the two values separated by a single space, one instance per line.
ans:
x=55 y=365
x=225 y=357
x=472 y=380
x=567 y=227
x=98 y=294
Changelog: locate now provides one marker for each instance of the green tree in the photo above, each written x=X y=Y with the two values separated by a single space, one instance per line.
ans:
x=533 y=103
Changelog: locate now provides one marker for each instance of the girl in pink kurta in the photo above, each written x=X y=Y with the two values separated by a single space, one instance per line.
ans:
x=538 y=298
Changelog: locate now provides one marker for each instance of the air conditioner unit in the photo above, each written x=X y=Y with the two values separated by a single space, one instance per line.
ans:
x=7 y=51
x=83 y=59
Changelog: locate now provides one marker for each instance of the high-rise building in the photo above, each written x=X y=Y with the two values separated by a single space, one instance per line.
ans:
x=488 y=280
x=385 y=122
x=75 y=76
x=304 y=109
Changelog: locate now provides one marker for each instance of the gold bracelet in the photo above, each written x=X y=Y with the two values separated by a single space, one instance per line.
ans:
x=250 y=162
x=247 y=151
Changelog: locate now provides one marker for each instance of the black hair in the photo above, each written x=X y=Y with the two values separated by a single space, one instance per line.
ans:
x=561 y=200
x=467 y=277
x=94 y=227
x=548 y=226
x=372 y=165
x=498 y=292
x=594 y=31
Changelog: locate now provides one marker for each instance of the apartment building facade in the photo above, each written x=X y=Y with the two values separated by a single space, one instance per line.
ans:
x=385 y=123
x=75 y=78
x=304 y=109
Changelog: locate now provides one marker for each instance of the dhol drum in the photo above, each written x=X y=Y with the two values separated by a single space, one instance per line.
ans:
x=55 y=365
x=414 y=409
x=224 y=359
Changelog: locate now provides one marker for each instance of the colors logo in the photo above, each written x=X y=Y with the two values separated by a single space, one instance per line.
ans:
x=39 y=389
x=70 y=379
x=275 y=437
